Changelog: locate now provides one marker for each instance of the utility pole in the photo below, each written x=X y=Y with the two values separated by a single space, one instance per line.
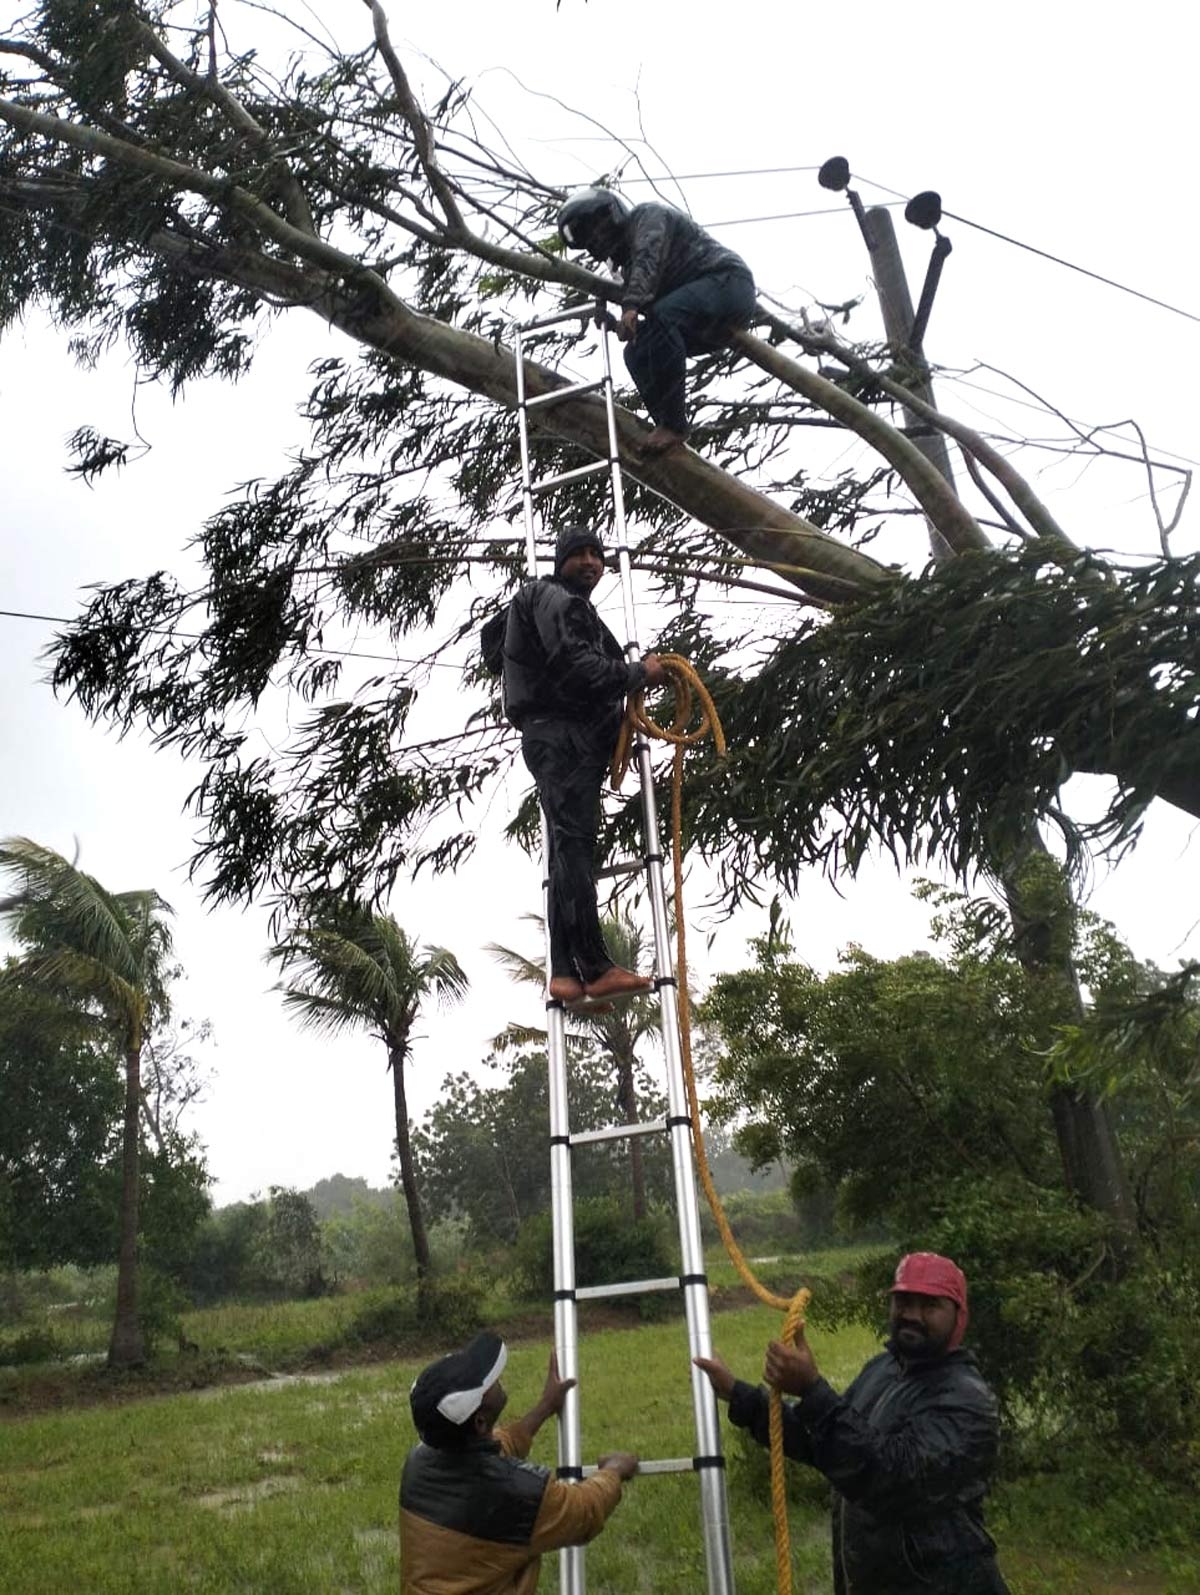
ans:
x=895 y=301
x=905 y=331
x=1083 y=1126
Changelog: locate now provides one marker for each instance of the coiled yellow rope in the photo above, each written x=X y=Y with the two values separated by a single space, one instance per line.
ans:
x=688 y=688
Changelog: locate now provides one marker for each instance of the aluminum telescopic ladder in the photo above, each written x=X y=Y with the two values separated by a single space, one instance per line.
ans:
x=708 y=1462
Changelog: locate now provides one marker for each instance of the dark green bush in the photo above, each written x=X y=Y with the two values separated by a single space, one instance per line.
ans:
x=609 y=1247
x=32 y=1345
x=1081 y=1362
x=762 y=1221
x=452 y=1304
x=390 y=1319
x=161 y=1304
x=448 y=1306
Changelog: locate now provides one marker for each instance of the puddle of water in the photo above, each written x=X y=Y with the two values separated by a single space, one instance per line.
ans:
x=278 y=1381
x=240 y=1497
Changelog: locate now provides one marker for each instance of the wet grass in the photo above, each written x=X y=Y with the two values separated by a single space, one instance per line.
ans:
x=291 y=1486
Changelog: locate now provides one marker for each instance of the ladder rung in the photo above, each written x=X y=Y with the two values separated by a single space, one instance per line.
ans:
x=563 y=393
x=576 y=313
x=568 y=476
x=614 y=1132
x=662 y=1465
x=628 y=866
x=631 y=1287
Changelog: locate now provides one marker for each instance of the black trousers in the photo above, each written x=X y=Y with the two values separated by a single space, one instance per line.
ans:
x=569 y=761
x=693 y=319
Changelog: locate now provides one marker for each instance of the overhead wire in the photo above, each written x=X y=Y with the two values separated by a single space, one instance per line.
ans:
x=1045 y=254
x=899 y=197
x=195 y=636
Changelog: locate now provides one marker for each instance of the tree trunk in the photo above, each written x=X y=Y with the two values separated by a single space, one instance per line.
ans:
x=627 y=1105
x=397 y=1051
x=127 y=1347
x=1041 y=919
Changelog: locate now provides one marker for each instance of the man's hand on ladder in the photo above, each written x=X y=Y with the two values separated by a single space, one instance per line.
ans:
x=720 y=1374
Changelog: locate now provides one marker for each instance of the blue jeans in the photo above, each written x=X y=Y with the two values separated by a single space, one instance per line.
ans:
x=694 y=319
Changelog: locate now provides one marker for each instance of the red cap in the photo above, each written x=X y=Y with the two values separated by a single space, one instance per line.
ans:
x=927 y=1274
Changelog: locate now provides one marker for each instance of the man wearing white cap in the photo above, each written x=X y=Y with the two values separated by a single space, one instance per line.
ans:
x=475 y=1517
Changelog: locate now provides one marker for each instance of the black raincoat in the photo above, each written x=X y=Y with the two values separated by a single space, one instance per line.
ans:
x=561 y=661
x=664 y=249
x=565 y=681
x=909 y=1450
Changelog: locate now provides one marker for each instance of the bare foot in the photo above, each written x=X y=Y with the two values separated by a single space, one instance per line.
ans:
x=662 y=439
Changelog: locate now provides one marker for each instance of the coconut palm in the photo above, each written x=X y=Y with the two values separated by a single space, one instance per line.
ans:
x=618 y=1032
x=354 y=969
x=105 y=954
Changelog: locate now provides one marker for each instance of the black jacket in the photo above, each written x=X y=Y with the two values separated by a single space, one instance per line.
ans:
x=663 y=250
x=561 y=660
x=909 y=1450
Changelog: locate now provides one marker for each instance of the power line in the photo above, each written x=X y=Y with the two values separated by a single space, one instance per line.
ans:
x=1045 y=254
x=785 y=216
x=899 y=198
x=195 y=636
x=1096 y=276
x=696 y=177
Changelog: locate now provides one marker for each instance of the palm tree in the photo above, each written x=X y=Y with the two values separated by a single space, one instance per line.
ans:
x=106 y=954
x=618 y=1032
x=354 y=968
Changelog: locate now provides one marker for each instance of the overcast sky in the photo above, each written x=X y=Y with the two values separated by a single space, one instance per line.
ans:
x=1053 y=126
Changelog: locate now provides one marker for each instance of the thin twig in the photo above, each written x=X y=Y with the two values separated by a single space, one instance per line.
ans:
x=415 y=117
x=299 y=213
x=1010 y=521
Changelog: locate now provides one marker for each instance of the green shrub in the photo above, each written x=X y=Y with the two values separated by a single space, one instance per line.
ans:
x=609 y=1247
x=448 y=1306
x=161 y=1305
x=389 y=1319
x=32 y=1345
x=453 y=1304
x=1081 y=1362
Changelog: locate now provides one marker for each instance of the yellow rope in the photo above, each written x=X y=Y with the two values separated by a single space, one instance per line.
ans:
x=688 y=688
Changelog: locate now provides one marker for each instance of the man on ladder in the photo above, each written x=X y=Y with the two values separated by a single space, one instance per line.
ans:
x=565 y=684
x=563 y=669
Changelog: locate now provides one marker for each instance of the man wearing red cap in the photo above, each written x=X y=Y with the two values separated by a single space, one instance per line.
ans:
x=909 y=1448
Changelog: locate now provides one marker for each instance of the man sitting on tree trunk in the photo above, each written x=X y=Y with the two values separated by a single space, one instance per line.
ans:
x=689 y=290
x=565 y=683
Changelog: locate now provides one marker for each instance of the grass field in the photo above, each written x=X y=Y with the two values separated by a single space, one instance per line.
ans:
x=284 y=1334
x=290 y=1486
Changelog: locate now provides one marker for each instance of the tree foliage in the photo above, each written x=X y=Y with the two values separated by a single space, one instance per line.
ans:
x=106 y=957
x=60 y=1109
x=177 y=196
x=915 y=1089
x=351 y=969
x=481 y=1150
